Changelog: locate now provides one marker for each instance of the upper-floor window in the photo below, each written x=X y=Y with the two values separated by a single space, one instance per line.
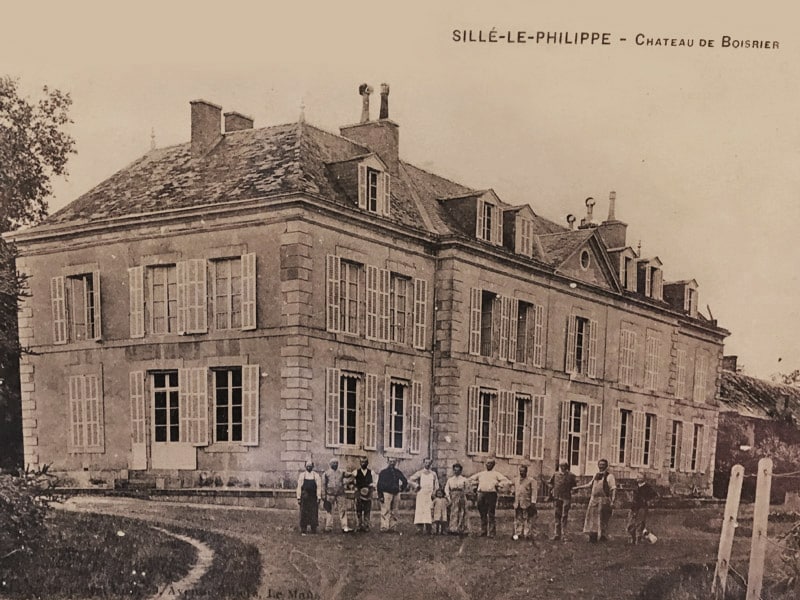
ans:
x=627 y=356
x=399 y=307
x=348 y=297
x=75 y=304
x=506 y=327
x=650 y=281
x=525 y=236
x=489 y=223
x=373 y=190
x=581 y=354
x=700 y=373
x=227 y=293
x=163 y=281
x=651 y=360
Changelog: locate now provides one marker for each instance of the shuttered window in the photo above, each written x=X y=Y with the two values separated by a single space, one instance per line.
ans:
x=479 y=418
x=627 y=356
x=193 y=406
x=475 y=321
x=420 y=313
x=75 y=305
x=652 y=358
x=86 y=420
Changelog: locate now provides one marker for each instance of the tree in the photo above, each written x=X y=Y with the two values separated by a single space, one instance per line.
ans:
x=34 y=147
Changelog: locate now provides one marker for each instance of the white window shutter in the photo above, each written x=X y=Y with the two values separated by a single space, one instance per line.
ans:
x=388 y=442
x=420 y=312
x=704 y=449
x=637 y=440
x=387 y=202
x=136 y=299
x=680 y=377
x=372 y=302
x=538 y=337
x=59 y=308
x=513 y=322
x=415 y=425
x=569 y=359
x=686 y=445
x=497 y=226
x=333 y=266
x=384 y=322
x=98 y=321
x=502 y=423
x=193 y=406
x=251 y=381
x=505 y=313
x=197 y=287
x=362 y=186
x=332 y=382
x=655 y=447
x=138 y=458
x=371 y=412
x=473 y=420
x=95 y=437
x=480 y=220
x=537 y=427
x=249 y=303
x=591 y=370
x=563 y=434
x=77 y=418
x=475 y=321
x=615 y=433
x=595 y=432
x=183 y=295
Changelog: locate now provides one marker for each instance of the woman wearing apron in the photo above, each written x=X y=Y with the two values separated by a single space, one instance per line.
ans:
x=455 y=490
x=309 y=494
x=427 y=483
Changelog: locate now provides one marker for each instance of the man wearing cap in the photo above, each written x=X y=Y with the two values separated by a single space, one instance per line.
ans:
x=561 y=485
x=391 y=482
x=333 y=498
x=488 y=482
x=364 y=482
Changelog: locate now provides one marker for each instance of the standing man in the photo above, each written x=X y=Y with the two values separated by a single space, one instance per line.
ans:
x=488 y=481
x=524 y=504
x=365 y=484
x=561 y=485
x=309 y=494
x=333 y=496
x=601 y=502
x=390 y=483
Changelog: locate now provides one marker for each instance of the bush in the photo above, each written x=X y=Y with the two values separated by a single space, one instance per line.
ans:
x=24 y=502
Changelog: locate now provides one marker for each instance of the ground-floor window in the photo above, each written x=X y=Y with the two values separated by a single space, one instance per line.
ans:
x=166 y=406
x=228 y=405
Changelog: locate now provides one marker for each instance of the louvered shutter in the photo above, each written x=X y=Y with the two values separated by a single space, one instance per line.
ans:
x=538 y=336
x=333 y=266
x=362 y=186
x=193 y=403
x=637 y=439
x=249 y=303
x=503 y=419
x=595 y=432
x=655 y=447
x=420 y=312
x=183 y=295
x=332 y=383
x=98 y=321
x=371 y=412
x=387 y=203
x=480 y=221
x=569 y=360
x=537 y=427
x=415 y=425
x=77 y=418
x=194 y=297
x=372 y=302
x=250 y=404
x=505 y=313
x=615 y=440
x=136 y=299
x=138 y=459
x=513 y=322
x=563 y=434
x=59 y=308
x=475 y=321
x=591 y=370
x=497 y=226
x=388 y=441
x=473 y=419
x=384 y=322
x=95 y=436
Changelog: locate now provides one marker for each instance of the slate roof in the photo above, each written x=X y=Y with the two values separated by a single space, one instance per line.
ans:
x=558 y=247
x=758 y=398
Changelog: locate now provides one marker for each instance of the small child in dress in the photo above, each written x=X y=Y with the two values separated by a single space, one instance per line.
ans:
x=440 y=513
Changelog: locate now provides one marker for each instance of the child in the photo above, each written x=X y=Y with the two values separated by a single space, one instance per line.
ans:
x=440 y=512
x=643 y=494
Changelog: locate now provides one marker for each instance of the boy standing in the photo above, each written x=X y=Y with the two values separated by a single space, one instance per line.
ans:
x=643 y=494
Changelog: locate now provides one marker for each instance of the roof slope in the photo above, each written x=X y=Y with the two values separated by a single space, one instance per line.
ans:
x=754 y=397
x=558 y=247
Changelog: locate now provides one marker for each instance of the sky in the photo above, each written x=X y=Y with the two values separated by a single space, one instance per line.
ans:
x=701 y=143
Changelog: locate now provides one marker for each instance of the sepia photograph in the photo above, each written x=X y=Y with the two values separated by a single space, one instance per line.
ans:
x=418 y=300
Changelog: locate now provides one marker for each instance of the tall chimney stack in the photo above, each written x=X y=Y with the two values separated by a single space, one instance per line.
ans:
x=206 y=126
x=384 y=114
x=365 y=90
x=611 y=230
x=612 y=206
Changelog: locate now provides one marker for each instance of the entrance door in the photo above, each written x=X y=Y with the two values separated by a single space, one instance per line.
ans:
x=167 y=451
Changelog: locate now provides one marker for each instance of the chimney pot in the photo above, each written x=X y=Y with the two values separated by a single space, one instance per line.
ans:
x=571 y=220
x=364 y=90
x=235 y=121
x=384 y=114
x=612 y=205
x=206 y=126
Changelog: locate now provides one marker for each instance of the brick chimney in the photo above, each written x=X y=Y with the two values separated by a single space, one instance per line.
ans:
x=206 y=120
x=382 y=136
x=235 y=121
x=612 y=231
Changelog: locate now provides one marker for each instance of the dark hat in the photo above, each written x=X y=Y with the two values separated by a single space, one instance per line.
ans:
x=364 y=491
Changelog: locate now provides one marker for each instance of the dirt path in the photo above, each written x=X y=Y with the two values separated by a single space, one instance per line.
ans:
x=374 y=565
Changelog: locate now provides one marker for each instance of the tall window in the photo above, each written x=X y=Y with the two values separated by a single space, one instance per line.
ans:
x=487 y=321
x=522 y=410
x=164 y=299
x=85 y=414
x=228 y=405
x=676 y=440
x=627 y=356
x=625 y=433
x=581 y=355
x=524 y=313
x=228 y=293
x=399 y=307
x=650 y=440
x=479 y=419
x=166 y=411
x=348 y=403
x=81 y=301
x=652 y=358
x=697 y=440
x=397 y=407
x=485 y=419
x=372 y=190
x=348 y=298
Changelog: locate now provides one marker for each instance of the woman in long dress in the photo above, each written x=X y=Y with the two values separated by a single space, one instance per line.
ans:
x=455 y=490
x=427 y=482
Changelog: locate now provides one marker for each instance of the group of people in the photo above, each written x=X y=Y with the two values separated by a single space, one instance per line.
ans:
x=443 y=509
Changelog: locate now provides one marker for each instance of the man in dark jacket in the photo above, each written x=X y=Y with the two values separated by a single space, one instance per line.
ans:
x=390 y=483
x=364 y=480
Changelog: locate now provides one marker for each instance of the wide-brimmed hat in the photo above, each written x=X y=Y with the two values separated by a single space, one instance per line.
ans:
x=364 y=492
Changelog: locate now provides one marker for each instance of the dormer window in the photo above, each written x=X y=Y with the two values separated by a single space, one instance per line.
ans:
x=373 y=190
x=489 y=226
x=656 y=283
x=690 y=300
x=650 y=278
x=525 y=236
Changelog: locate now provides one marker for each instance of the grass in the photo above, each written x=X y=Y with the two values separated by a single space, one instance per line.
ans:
x=83 y=556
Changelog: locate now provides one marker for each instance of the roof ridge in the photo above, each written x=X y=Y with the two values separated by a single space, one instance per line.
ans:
x=408 y=164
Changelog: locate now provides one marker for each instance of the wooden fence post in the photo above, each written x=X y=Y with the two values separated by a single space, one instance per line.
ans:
x=728 y=531
x=758 y=545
